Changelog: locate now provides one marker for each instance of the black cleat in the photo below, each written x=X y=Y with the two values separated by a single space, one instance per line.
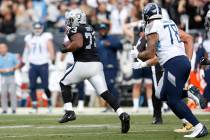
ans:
x=195 y=95
x=68 y=116
x=125 y=122
x=157 y=120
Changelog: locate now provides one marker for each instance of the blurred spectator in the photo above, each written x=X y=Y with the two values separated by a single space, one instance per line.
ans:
x=102 y=14
x=206 y=46
x=38 y=53
x=7 y=23
x=107 y=46
x=206 y=7
x=52 y=13
x=60 y=23
x=29 y=10
x=23 y=21
x=171 y=7
x=88 y=11
x=8 y=64
x=117 y=18
x=40 y=8
x=194 y=8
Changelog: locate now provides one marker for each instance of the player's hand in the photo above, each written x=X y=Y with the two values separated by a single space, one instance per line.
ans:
x=203 y=61
x=63 y=49
x=106 y=43
x=134 y=53
x=139 y=65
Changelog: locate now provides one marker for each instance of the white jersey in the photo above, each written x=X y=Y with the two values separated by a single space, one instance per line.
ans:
x=36 y=51
x=206 y=46
x=169 y=44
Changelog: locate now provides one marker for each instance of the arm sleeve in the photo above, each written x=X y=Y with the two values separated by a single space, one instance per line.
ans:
x=152 y=27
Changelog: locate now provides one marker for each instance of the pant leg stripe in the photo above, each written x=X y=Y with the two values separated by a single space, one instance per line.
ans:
x=68 y=72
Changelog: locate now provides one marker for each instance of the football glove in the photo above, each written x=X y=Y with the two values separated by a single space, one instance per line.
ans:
x=63 y=49
x=138 y=65
x=134 y=53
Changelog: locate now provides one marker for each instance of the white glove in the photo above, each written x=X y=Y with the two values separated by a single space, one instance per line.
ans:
x=134 y=53
x=139 y=65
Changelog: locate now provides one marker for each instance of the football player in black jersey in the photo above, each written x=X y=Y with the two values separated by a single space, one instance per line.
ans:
x=87 y=66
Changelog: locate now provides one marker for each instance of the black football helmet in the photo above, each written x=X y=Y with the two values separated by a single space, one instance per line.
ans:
x=152 y=11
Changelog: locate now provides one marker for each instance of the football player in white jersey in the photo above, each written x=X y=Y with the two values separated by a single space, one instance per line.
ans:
x=164 y=41
x=38 y=53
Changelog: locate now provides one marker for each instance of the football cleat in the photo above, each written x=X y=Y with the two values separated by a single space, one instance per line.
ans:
x=125 y=122
x=194 y=94
x=4 y=112
x=157 y=120
x=187 y=127
x=68 y=116
x=197 y=133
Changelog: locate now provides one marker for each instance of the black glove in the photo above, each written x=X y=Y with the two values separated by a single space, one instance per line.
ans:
x=204 y=61
x=63 y=49
x=53 y=61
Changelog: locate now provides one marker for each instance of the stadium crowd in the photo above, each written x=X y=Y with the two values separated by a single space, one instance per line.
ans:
x=110 y=18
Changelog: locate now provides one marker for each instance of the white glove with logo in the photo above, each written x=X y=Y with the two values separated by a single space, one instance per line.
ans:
x=138 y=65
x=134 y=53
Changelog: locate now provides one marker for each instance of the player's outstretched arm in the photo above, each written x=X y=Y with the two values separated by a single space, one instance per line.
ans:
x=75 y=43
x=150 y=51
x=188 y=43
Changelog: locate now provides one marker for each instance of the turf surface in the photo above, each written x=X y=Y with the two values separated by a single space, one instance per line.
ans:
x=107 y=127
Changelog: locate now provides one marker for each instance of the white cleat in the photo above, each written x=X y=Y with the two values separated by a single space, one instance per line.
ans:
x=200 y=131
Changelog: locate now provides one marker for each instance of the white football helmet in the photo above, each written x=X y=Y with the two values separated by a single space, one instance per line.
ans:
x=38 y=28
x=75 y=17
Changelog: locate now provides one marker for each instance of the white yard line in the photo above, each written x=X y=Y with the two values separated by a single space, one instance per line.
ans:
x=87 y=133
x=15 y=126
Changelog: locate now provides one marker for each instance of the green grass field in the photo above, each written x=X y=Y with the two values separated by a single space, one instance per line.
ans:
x=107 y=127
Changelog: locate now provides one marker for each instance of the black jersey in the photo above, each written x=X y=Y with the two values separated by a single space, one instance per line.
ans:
x=88 y=52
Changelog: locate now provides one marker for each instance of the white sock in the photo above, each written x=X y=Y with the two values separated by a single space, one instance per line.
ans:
x=119 y=111
x=208 y=104
x=80 y=104
x=136 y=103
x=68 y=107
x=184 y=121
x=149 y=102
